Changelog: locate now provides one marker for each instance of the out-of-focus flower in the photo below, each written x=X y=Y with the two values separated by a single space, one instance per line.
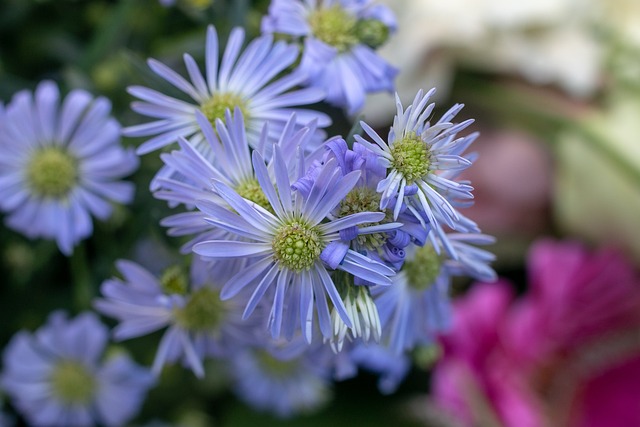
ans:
x=416 y=308
x=567 y=354
x=54 y=376
x=598 y=174
x=340 y=38
x=199 y=323
x=530 y=39
x=250 y=80
x=61 y=164
x=286 y=381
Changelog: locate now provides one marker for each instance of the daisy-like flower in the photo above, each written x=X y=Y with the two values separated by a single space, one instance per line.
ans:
x=198 y=323
x=229 y=163
x=415 y=156
x=291 y=247
x=61 y=164
x=54 y=376
x=286 y=381
x=340 y=38
x=417 y=306
x=249 y=80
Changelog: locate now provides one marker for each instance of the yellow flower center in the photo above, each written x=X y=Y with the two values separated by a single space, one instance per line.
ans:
x=297 y=245
x=364 y=199
x=204 y=311
x=423 y=270
x=215 y=107
x=410 y=156
x=52 y=172
x=274 y=366
x=251 y=190
x=72 y=382
x=335 y=27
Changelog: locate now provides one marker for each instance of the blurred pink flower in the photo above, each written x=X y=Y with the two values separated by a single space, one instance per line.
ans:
x=566 y=354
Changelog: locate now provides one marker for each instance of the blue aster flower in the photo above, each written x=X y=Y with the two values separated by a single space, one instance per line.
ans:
x=251 y=80
x=198 y=323
x=283 y=380
x=340 y=38
x=417 y=306
x=416 y=154
x=291 y=248
x=229 y=162
x=54 y=376
x=60 y=164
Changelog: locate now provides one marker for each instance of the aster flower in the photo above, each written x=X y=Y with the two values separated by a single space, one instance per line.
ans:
x=416 y=308
x=285 y=381
x=415 y=155
x=54 y=376
x=198 y=323
x=249 y=80
x=342 y=35
x=290 y=247
x=229 y=163
x=61 y=164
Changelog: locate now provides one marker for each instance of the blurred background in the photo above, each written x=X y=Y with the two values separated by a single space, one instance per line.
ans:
x=554 y=86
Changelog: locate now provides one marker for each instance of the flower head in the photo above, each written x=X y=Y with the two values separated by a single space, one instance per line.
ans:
x=54 y=376
x=285 y=381
x=229 y=162
x=291 y=248
x=342 y=35
x=418 y=157
x=198 y=323
x=566 y=352
x=61 y=164
x=249 y=80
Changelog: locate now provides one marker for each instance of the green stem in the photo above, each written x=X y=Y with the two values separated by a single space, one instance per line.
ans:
x=82 y=286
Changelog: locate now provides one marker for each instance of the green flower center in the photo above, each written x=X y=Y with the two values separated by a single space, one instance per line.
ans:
x=72 y=382
x=364 y=199
x=297 y=245
x=203 y=312
x=251 y=190
x=52 y=172
x=335 y=27
x=215 y=107
x=276 y=367
x=423 y=270
x=410 y=157
x=174 y=281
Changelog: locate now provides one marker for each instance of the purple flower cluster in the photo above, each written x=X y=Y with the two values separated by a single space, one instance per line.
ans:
x=306 y=257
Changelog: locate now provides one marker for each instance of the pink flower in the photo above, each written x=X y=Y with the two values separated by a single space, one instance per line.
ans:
x=566 y=354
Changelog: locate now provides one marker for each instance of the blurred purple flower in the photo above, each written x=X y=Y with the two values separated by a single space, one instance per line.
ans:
x=250 y=80
x=198 y=323
x=340 y=38
x=54 y=377
x=61 y=164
